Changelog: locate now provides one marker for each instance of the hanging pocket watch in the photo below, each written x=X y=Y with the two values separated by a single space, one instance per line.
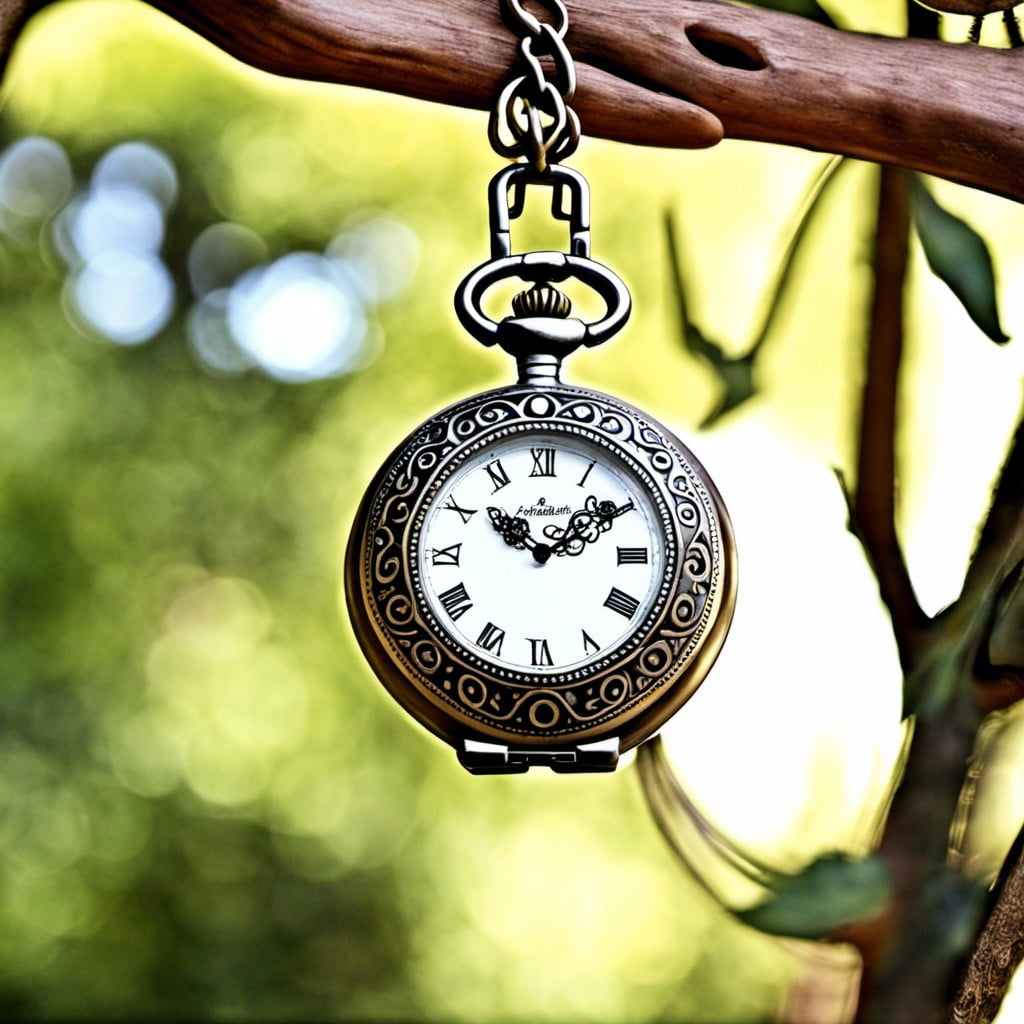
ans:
x=541 y=574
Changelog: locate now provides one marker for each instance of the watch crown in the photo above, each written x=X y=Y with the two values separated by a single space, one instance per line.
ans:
x=541 y=300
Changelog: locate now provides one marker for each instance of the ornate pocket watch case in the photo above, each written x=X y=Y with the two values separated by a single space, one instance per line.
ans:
x=599 y=662
x=541 y=574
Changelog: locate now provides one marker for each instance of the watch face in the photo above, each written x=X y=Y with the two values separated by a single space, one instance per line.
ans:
x=541 y=566
x=542 y=553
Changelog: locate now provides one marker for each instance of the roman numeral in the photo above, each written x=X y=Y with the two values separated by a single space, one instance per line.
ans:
x=632 y=556
x=589 y=643
x=540 y=655
x=466 y=513
x=543 y=462
x=621 y=602
x=491 y=638
x=446 y=556
x=456 y=601
x=496 y=471
x=583 y=479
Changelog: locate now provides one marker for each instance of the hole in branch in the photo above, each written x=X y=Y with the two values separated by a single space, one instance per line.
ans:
x=725 y=50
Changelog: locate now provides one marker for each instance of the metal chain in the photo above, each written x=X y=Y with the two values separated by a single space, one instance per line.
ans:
x=530 y=117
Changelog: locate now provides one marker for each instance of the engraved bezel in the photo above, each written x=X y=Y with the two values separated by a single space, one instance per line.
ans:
x=626 y=692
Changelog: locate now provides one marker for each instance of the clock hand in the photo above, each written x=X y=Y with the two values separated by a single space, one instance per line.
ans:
x=585 y=526
x=515 y=532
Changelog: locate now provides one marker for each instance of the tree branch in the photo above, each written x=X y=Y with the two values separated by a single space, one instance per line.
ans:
x=13 y=15
x=657 y=72
x=902 y=942
x=1000 y=946
x=457 y=52
x=873 y=508
x=914 y=954
x=665 y=72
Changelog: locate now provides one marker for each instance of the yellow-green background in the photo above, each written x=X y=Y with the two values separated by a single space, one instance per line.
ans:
x=209 y=809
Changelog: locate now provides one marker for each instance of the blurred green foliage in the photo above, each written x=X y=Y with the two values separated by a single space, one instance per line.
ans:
x=833 y=891
x=208 y=808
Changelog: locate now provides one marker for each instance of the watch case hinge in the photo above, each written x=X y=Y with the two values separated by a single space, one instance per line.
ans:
x=484 y=758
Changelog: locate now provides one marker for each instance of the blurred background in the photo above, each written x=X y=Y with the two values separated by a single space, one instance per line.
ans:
x=224 y=298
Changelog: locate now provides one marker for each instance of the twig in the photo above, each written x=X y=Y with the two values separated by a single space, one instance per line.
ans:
x=809 y=206
x=914 y=953
x=873 y=511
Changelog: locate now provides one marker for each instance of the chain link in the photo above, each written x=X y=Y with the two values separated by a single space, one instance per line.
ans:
x=531 y=117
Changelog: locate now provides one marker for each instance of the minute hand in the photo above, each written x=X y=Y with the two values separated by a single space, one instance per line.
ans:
x=585 y=526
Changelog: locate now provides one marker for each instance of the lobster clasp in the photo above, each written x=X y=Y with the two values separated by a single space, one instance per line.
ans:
x=506 y=200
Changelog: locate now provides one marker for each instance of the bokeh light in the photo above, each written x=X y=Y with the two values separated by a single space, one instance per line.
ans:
x=380 y=252
x=304 y=316
x=221 y=254
x=111 y=236
x=35 y=181
x=301 y=317
x=127 y=297
x=112 y=218
x=210 y=336
x=298 y=318
x=140 y=166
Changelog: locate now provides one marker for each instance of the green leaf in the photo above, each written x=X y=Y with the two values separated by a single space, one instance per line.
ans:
x=955 y=906
x=735 y=373
x=946 y=672
x=809 y=207
x=1006 y=636
x=929 y=688
x=833 y=891
x=959 y=256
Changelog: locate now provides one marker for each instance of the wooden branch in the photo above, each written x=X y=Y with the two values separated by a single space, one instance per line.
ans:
x=873 y=508
x=999 y=949
x=909 y=969
x=679 y=73
x=997 y=559
x=667 y=72
x=13 y=15
x=456 y=52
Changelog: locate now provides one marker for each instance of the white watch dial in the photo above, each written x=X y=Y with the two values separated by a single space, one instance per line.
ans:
x=541 y=554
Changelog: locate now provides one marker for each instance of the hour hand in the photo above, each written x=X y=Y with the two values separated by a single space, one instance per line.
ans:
x=515 y=532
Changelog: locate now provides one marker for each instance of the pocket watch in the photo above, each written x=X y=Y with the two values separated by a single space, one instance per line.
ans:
x=541 y=574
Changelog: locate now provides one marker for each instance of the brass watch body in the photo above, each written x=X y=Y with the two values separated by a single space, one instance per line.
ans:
x=503 y=700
